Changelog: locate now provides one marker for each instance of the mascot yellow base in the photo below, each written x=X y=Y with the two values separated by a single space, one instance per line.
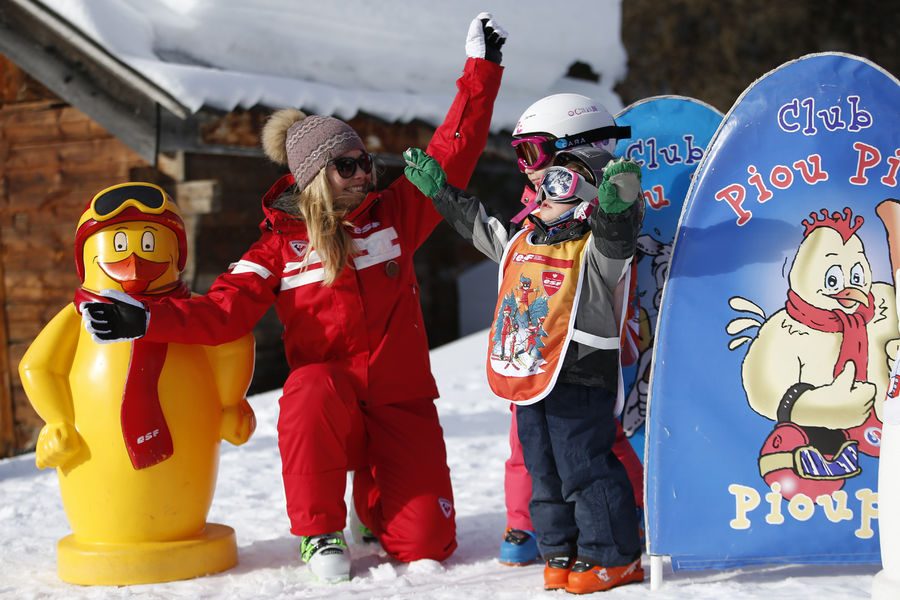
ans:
x=133 y=428
x=210 y=551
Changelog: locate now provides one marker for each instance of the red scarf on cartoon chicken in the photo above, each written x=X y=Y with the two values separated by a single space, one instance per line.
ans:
x=854 y=345
x=147 y=436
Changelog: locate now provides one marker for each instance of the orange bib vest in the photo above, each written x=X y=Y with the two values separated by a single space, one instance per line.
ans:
x=535 y=316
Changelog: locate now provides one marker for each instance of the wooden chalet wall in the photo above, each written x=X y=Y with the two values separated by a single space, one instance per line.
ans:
x=53 y=159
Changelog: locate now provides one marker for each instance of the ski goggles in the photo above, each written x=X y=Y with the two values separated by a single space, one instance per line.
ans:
x=346 y=165
x=808 y=462
x=533 y=151
x=146 y=197
x=536 y=151
x=565 y=186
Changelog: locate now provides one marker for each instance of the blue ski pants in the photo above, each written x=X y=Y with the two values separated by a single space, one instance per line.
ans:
x=582 y=503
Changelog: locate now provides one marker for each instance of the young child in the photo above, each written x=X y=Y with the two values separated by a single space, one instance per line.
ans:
x=574 y=251
x=336 y=260
x=553 y=122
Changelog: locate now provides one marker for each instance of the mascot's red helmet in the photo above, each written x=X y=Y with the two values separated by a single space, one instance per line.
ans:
x=133 y=201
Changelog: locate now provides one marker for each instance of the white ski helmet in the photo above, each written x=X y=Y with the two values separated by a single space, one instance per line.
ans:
x=572 y=120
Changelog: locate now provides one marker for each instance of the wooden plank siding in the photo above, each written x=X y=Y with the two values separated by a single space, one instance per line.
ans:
x=53 y=159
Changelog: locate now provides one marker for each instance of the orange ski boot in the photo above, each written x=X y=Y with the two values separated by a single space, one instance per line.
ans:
x=556 y=572
x=587 y=577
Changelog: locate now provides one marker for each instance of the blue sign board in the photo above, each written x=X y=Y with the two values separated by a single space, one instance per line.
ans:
x=778 y=326
x=668 y=136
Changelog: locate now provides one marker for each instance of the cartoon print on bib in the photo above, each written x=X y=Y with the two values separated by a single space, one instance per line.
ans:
x=519 y=329
x=534 y=316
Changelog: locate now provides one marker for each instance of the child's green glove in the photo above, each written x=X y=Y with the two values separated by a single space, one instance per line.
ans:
x=620 y=187
x=424 y=172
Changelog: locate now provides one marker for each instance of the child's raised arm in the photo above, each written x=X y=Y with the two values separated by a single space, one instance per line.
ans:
x=463 y=212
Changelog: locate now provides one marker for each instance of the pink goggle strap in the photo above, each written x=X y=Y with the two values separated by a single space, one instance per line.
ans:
x=529 y=197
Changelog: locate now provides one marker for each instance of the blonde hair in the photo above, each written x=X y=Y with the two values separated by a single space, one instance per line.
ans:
x=315 y=204
x=325 y=225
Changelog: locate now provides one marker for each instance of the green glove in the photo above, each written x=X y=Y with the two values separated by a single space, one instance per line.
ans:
x=620 y=187
x=424 y=172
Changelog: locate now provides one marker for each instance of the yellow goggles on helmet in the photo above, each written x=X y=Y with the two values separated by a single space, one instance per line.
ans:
x=148 y=198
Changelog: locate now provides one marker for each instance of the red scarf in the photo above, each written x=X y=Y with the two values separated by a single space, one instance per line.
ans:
x=854 y=346
x=147 y=437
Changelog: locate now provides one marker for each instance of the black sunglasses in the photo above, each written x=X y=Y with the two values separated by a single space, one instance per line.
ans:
x=346 y=166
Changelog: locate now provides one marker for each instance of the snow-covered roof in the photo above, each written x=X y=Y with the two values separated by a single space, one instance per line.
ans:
x=393 y=59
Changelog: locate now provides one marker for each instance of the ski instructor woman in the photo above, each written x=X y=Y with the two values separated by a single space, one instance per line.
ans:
x=336 y=259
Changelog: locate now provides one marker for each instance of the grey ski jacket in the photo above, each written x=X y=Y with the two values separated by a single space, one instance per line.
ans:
x=589 y=360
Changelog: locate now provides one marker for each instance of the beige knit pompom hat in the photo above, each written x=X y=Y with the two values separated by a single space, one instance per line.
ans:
x=306 y=143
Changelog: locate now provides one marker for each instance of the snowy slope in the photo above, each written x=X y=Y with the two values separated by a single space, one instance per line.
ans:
x=250 y=498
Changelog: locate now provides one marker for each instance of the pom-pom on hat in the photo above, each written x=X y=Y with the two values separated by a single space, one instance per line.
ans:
x=306 y=143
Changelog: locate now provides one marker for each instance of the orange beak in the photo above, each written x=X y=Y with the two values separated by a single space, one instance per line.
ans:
x=134 y=273
x=851 y=297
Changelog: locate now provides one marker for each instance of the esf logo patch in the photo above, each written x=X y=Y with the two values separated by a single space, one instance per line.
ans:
x=552 y=281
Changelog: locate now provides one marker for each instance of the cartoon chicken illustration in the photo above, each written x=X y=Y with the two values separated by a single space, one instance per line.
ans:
x=640 y=327
x=819 y=367
x=133 y=428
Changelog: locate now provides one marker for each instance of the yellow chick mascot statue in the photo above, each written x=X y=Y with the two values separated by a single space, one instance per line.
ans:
x=133 y=427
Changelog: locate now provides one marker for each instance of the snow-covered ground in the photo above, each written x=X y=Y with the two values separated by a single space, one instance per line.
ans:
x=250 y=499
